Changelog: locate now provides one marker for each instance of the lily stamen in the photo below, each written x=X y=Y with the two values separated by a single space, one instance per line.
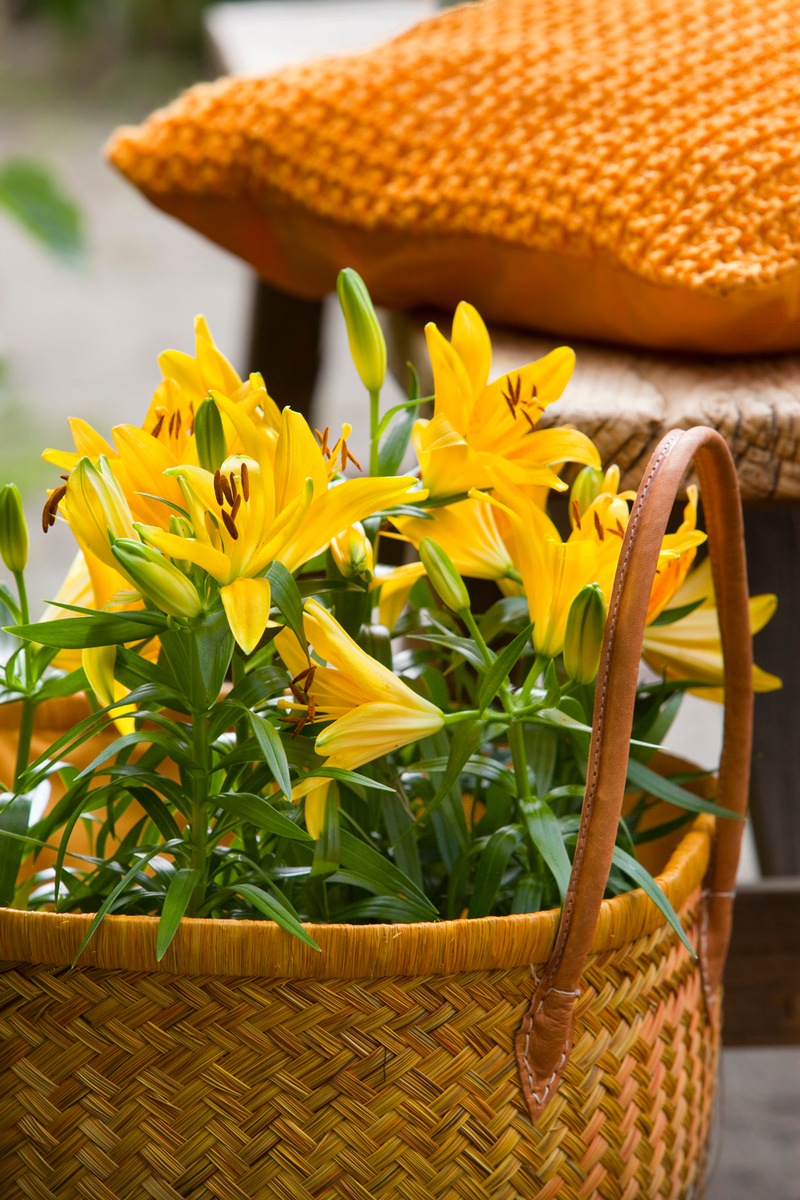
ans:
x=245 y=480
x=576 y=514
x=323 y=440
x=230 y=525
x=348 y=456
x=51 y=507
x=218 y=492
x=599 y=527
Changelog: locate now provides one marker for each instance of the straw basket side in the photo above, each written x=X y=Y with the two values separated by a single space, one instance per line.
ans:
x=247 y=1066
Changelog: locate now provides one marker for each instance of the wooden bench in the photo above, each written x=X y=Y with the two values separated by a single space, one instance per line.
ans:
x=625 y=400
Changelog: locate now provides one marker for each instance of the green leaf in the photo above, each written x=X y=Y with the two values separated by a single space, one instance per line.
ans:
x=366 y=862
x=642 y=878
x=170 y=746
x=176 y=901
x=259 y=812
x=142 y=859
x=77 y=633
x=502 y=666
x=286 y=597
x=381 y=909
x=467 y=739
x=15 y=814
x=270 y=745
x=463 y=646
x=31 y=194
x=491 y=868
x=406 y=850
x=670 y=615
x=640 y=776
x=508 y=613
x=271 y=907
x=395 y=443
x=353 y=778
x=545 y=832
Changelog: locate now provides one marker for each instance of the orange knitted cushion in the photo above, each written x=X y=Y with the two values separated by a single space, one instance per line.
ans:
x=621 y=169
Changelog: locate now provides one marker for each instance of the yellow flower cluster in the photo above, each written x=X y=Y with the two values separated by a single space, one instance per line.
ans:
x=189 y=512
x=484 y=440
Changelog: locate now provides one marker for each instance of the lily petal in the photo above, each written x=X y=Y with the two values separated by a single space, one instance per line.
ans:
x=247 y=604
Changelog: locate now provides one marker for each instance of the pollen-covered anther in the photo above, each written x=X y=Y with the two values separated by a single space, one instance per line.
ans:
x=218 y=492
x=237 y=504
x=576 y=514
x=322 y=438
x=51 y=507
x=348 y=456
x=598 y=524
x=245 y=481
x=230 y=525
x=156 y=430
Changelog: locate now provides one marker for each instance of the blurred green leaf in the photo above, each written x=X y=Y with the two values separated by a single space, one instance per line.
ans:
x=32 y=195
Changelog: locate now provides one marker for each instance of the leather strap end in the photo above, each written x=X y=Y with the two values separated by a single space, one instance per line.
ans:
x=548 y=1026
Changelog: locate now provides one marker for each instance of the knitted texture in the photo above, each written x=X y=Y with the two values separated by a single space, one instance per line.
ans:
x=643 y=136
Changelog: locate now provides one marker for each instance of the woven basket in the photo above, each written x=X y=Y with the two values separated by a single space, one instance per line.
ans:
x=412 y=1062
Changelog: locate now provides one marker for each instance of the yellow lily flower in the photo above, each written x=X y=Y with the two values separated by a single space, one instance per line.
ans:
x=481 y=432
x=98 y=663
x=554 y=571
x=690 y=648
x=371 y=710
x=468 y=531
x=141 y=456
x=244 y=518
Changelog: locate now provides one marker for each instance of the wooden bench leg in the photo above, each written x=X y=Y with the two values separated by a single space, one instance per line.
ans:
x=285 y=345
x=762 y=975
x=773 y=556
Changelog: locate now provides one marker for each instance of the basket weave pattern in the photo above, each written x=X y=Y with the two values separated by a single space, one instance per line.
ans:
x=121 y=1084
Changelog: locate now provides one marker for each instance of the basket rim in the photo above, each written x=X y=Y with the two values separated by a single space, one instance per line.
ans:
x=211 y=946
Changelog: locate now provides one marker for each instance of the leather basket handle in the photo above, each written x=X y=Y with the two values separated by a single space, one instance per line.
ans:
x=544 y=1040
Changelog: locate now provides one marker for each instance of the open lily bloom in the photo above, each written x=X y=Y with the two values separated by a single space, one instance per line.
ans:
x=243 y=517
x=140 y=456
x=372 y=711
x=467 y=531
x=690 y=647
x=482 y=431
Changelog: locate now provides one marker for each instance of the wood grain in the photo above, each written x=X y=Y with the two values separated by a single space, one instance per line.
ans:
x=626 y=400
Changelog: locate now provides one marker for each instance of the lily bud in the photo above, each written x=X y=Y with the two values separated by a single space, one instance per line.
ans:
x=364 y=334
x=97 y=508
x=352 y=552
x=157 y=578
x=583 y=639
x=443 y=575
x=587 y=487
x=209 y=436
x=13 y=529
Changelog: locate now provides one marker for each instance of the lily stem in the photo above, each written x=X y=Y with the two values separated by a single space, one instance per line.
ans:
x=374 y=430
x=199 y=822
x=28 y=703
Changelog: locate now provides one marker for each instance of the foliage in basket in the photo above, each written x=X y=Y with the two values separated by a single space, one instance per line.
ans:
x=304 y=732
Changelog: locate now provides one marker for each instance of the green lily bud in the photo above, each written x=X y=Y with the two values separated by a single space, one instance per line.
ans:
x=352 y=552
x=13 y=529
x=587 y=487
x=98 y=511
x=157 y=578
x=443 y=575
x=583 y=639
x=364 y=334
x=209 y=436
